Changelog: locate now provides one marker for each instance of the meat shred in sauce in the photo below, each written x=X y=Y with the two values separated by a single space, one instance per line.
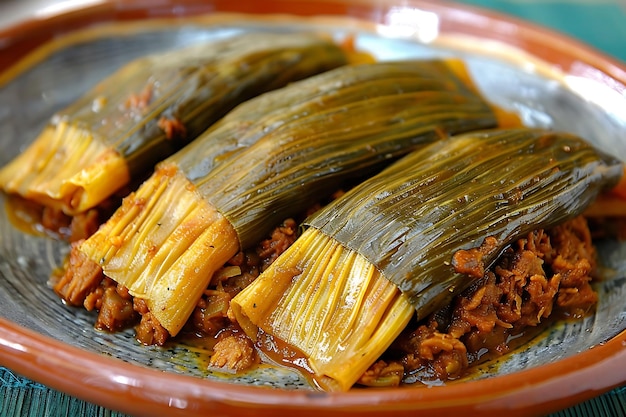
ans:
x=546 y=272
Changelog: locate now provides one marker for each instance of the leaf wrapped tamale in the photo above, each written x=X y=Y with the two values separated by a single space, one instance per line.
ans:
x=411 y=238
x=289 y=146
x=152 y=107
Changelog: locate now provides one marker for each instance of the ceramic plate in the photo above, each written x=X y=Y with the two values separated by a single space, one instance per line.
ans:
x=549 y=80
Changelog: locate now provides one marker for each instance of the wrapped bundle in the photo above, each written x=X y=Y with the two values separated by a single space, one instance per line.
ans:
x=406 y=241
x=152 y=107
x=267 y=160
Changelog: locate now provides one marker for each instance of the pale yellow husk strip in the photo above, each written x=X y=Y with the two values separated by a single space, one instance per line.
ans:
x=328 y=302
x=65 y=168
x=164 y=244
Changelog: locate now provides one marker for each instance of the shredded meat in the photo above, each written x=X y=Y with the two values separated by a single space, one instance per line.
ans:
x=70 y=228
x=84 y=225
x=282 y=237
x=250 y=265
x=81 y=277
x=209 y=316
x=56 y=223
x=546 y=271
x=470 y=262
x=172 y=127
x=139 y=101
x=383 y=374
x=149 y=331
x=435 y=353
x=115 y=311
x=575 y=263
x=84 y=284
x=234 y=352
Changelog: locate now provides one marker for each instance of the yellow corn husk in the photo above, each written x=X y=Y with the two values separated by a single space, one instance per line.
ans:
x=60 y=167
x=342 y=312
x=149 y=238
x=152 y=107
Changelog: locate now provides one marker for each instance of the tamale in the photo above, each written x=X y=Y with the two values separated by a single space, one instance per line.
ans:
x=152 y=107
x=288 y=147
x=407 y=240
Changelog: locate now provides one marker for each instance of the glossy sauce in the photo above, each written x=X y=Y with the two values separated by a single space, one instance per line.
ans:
x=27 y=217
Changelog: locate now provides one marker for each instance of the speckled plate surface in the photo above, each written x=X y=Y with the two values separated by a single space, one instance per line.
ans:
x=548 y=80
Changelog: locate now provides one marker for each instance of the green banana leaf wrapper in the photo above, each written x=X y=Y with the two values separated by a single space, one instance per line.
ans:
x=302 y=141
x=151 y=108
x=474 y=191
x=198 y=85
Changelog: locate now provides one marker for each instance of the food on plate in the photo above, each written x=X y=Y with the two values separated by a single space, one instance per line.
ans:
x=545 y=276
x=408 y=268
x=265 y=161
x=152 y=107
x=402 y=244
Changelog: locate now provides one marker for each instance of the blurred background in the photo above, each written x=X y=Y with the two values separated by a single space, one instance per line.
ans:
x=600 y=23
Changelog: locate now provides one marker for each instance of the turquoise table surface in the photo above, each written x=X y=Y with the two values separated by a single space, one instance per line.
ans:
x=599 y=23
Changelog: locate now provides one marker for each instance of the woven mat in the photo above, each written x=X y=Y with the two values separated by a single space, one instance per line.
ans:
x=24 y=398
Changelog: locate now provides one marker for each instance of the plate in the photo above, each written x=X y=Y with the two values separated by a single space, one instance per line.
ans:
x=549 y=80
